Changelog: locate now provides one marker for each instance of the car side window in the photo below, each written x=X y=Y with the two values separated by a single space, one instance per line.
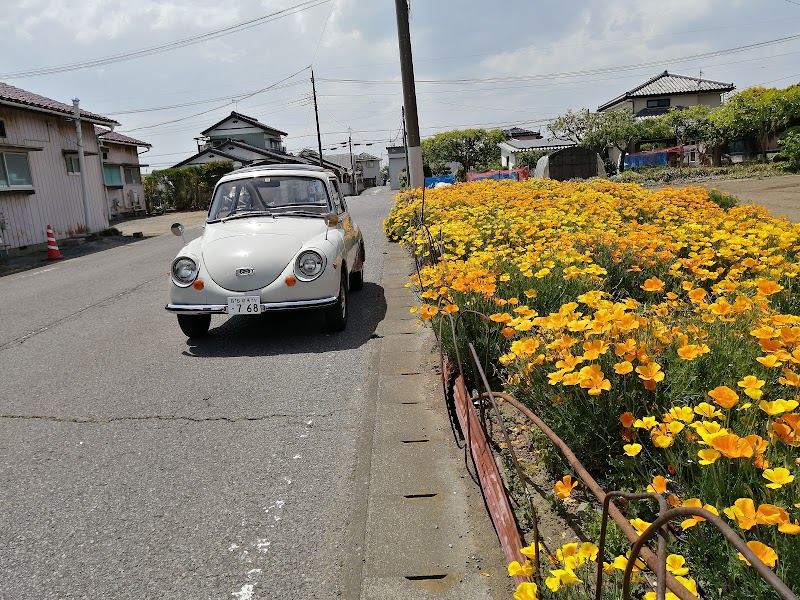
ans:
x=338 y=201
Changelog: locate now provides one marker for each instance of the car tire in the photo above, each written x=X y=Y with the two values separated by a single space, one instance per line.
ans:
x=336 y=315
x=194 y=326
x=357 y=277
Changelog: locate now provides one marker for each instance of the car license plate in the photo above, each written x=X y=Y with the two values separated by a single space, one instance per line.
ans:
x=244 y=305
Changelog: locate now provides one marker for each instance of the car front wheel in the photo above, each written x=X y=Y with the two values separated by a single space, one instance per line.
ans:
x=336 y=315
x=194 y=326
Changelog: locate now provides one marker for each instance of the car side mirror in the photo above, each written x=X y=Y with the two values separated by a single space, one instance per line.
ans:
x=331 y=220
x=177 y=229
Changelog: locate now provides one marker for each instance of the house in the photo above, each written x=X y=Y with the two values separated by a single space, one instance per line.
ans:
x=516 y=133
x=668 y=90
x=510 y=149
x=663 y=92
x=121 y=171
x=40 y=172
x=245 y=141
x=367 y=170
x=397 y=162
x=240 y=139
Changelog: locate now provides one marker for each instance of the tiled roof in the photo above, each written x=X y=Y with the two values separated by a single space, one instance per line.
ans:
x=246 y=119
x=522 y=145
x=15 y=96
x=666 y=84
x=365 y=156
x=113 y=136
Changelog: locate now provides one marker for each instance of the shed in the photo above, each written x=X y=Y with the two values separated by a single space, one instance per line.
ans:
x=570 y=163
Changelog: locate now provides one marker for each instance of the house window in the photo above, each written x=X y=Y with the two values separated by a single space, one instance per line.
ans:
x=2 y=129
x=658 y=103
x=73 y=164
x=133 y=175
x=14 y=170
x=112 y=176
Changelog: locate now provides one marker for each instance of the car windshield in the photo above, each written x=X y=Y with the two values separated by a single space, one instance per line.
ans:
x=269 y=195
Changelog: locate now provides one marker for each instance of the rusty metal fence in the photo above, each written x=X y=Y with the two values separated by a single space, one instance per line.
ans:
x=478 y=413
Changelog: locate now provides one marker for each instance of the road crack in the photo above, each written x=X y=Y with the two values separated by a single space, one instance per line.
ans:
x=19 y=340
x=180 y=418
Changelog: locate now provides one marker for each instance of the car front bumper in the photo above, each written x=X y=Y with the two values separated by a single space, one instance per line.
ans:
x=221 y=309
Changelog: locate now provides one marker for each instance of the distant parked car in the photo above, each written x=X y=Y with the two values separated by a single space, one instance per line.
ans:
x=277 y=237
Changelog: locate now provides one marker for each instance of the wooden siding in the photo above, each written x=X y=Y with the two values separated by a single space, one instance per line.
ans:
x=122 y=200
x=57 y=199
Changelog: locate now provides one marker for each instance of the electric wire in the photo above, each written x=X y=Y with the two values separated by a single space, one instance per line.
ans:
x=125 y=56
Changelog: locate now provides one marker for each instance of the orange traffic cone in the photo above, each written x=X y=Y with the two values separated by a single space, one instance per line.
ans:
x=53 y=252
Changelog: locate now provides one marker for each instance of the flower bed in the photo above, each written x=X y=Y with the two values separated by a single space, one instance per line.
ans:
x=656 y=332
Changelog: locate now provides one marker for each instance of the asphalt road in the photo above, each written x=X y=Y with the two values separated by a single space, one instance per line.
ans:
x=137 y=464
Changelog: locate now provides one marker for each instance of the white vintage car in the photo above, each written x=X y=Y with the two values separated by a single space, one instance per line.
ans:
x=277 y=237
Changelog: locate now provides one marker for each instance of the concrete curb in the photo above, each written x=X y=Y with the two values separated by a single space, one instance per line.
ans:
x=427 y=533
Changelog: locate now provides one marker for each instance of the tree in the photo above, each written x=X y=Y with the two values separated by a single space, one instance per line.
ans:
x=575 y=126
x=528 y=159
x=614 y=128
x=185 y=188
x=472 y=148
x=687 y=123
x=753 y=112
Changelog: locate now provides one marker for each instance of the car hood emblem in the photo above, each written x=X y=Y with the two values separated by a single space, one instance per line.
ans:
x=243 y=272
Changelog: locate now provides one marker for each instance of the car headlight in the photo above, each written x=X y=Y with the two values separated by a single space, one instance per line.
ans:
x=309 y=265
x=184 y=271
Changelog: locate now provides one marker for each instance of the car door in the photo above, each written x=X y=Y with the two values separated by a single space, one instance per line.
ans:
x=349 y=228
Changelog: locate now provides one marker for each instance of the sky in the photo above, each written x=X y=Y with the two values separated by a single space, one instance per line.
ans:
x=477 y=63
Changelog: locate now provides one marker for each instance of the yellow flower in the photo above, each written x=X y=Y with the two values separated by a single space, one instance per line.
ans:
x=530 y=551
x=744 y=512
x=659 y=485
x=654 y=284
x=561 y=577
x=676 y=564
x=778 y=477
x=790 y=528
x=682 y=413
x=639 y=525
x=646 y=423
x=526 y=591
x=588 y=550
x=724 y=396
x=778 y=407
x=632 y=449
x=663 y=441
x=767 y=555
x=704 y=409
x=651 y=374
x=692 y=521
x=564 y=488
x=517 y=570
x=623 y=368
x=708 y=456
x=752 y=386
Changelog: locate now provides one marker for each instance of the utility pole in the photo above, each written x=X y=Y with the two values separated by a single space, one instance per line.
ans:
x=76 y=111
x=316 y=114
x=414 y=149
x=352 y=164
x=405 y=147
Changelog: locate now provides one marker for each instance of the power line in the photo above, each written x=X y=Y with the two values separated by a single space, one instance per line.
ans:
x=587 y=72
x=218 y=107
x=211 y=35
x=234 y=98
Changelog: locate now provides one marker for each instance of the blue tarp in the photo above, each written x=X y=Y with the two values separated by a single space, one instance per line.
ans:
x=651 y=159
x=432 y=181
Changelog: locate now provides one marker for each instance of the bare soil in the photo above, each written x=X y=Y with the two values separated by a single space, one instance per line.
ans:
x=778 y=194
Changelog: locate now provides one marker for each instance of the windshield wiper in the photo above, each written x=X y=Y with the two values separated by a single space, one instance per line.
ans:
x=299 y=213
x=246 y=213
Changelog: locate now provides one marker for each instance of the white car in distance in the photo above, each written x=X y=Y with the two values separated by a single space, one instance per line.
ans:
x=277 y=237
